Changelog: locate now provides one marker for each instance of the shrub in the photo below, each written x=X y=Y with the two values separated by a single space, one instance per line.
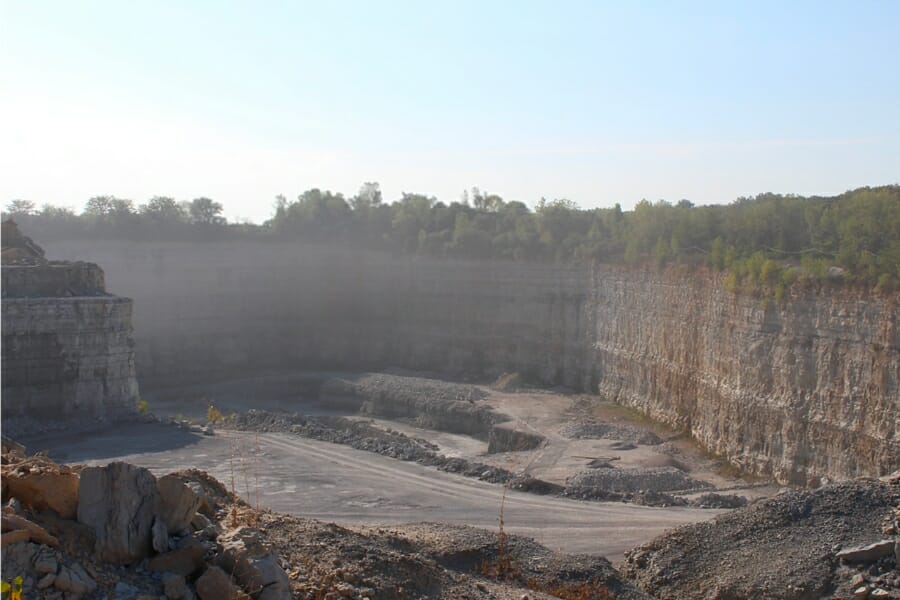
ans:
x=213 y=414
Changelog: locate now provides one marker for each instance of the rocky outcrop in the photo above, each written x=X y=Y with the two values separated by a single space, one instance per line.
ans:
x=506 y=438
x=122 y=548
x=804 y=389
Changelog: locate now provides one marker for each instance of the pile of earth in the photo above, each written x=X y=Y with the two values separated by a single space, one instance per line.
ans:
x=651 y=486
x=411 y=389
x=641 y=479
x=428 y=560
x=839 y=541
x=118 y=532
x=623 y=432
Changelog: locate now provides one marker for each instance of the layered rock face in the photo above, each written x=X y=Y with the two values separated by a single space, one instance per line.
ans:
x=802 y=389
x=67 y=345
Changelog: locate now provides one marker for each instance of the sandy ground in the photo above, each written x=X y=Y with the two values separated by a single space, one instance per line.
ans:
x=337 y=483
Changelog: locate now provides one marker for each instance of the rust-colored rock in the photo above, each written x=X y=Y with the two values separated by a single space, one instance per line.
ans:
x=215 y=584
x=12 y=523
x=14 y=537
x=42 y=491
x=178 y=502
x=183 y=561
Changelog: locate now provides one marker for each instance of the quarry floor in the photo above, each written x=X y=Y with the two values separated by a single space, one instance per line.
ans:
x=337 y=483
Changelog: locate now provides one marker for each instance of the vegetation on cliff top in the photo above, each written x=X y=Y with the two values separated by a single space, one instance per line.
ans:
x=768 y=241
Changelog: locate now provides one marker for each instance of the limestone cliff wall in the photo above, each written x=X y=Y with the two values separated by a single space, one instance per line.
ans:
x=803 y=389
x=204 y=311
x=52 y=280
x=67 y=357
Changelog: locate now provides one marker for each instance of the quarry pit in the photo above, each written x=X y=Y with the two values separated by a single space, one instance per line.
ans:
x=335 y=482
x=594 y=411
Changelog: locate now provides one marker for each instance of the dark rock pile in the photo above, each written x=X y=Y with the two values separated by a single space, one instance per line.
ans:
x=839 y=541
x=428 y=403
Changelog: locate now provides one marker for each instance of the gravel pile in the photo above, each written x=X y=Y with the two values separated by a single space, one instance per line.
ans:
x=593 y=430
x=794 y=546
x=427 y=403
x=713 y=500
x=653 y=479
x=412 y=389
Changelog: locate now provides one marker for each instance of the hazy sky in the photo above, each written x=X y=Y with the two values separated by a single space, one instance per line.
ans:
x=597 y=102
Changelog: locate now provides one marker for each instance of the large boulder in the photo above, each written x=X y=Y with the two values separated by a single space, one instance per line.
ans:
x=178 y=502
x=120 y=501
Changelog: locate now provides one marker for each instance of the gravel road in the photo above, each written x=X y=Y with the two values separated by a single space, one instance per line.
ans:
x=337 y=483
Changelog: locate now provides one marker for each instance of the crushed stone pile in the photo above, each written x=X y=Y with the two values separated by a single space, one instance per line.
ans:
x=429 y=403
x=622 y=432
x=838 y=541
x=650 y=479
x=413 y=389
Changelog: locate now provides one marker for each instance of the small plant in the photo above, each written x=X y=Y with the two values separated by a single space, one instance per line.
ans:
x=503 y=568
x=585 y=590
x=142 y=406
x=213 y=414
x=11 y=591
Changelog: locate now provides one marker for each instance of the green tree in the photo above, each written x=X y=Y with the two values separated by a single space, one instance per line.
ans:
x=19 y=208
x=205 y=211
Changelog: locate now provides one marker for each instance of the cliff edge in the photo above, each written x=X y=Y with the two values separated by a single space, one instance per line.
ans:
x=68 y=350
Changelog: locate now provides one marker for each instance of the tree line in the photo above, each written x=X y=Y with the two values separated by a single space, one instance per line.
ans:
x=767 y=241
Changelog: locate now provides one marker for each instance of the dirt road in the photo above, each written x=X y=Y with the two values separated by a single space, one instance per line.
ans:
x=337 y=483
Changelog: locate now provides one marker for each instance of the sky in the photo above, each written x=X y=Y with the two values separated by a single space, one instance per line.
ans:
x=597 y=102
